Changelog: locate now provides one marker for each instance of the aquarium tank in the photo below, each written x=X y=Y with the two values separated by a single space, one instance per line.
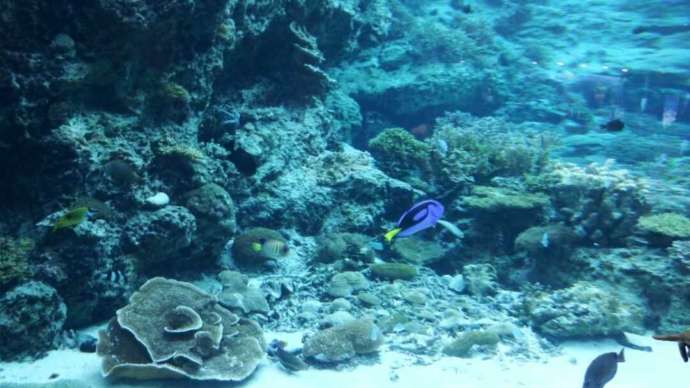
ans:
x=344 y=193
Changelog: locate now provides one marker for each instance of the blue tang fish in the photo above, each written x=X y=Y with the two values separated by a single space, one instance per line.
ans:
x=602 y=369
x=420 y=216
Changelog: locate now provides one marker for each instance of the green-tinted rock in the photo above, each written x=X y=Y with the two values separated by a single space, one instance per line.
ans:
x=497 y=199
x=663 y=228
x=554 y=241
x=462 y=346
x=394 y=271
x=343 y=342
x=338 y=246
x=416 y=251
x=585 y=310
x=398 y=152
x=369 y=299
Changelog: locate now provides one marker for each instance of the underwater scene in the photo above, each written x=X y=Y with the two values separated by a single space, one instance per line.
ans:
x=344 y=193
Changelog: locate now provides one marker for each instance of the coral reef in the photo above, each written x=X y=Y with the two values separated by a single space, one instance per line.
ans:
x=399 y=154
x=31 y=318
x=173 y=329
x=602 y=204
x=585 y=310
x=159 y=236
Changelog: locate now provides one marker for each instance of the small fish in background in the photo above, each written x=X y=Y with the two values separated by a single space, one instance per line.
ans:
x=670 y=113
x=602 y=369
x=615 y=125
x=420 y=216
x=684 y=147
x=545 y=240
x=271 y=249
x=442 y=146
x=421 y=131
x=643 y=104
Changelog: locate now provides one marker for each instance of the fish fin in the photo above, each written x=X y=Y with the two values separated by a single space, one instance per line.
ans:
x=621 y=355
x=256 y=247
x=389 y=236
x=683 y=351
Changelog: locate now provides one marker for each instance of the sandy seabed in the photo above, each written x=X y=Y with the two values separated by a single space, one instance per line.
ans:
x=662 y=368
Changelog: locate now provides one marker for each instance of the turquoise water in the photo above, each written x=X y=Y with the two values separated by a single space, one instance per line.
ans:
x=344 y=193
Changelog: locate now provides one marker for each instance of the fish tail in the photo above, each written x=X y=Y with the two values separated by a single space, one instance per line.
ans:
x=621 y=356
x=389 y=236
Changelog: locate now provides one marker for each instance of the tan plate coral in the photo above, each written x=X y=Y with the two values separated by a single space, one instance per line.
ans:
x=172 y=329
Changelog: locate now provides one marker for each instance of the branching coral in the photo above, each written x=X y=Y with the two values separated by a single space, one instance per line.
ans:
x=398 y=153
x=469 y=149
x=603 y=204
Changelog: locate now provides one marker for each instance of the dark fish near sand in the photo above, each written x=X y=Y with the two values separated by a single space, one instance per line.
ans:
x=615 y=125
x=288 y=360
x=602 y=369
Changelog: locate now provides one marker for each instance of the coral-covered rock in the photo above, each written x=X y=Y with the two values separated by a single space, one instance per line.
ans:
x=141 y=343
x=600 y=203
x=344 y=341
x=480 y=279
x=160 y=235
x=344 y=246
x=237 y=294
x=31 y=319
x=214 y=211
x=417 y=251
x=662 y=229
x=585 y=310
x=345 y=283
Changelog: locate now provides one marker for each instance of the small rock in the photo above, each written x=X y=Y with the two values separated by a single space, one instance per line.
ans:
x=159 y=199
x=87 y=343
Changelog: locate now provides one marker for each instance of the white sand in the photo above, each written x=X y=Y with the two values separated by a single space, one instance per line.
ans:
x=661 y=368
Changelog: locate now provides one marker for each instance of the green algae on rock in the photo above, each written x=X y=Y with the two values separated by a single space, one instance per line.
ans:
x=497 y=199
x=663 y=228
x=393 y=271
x=398 y=152
x=414 y=250
x=14 y=260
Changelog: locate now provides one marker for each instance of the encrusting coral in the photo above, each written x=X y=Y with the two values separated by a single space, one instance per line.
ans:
x=172 y=329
